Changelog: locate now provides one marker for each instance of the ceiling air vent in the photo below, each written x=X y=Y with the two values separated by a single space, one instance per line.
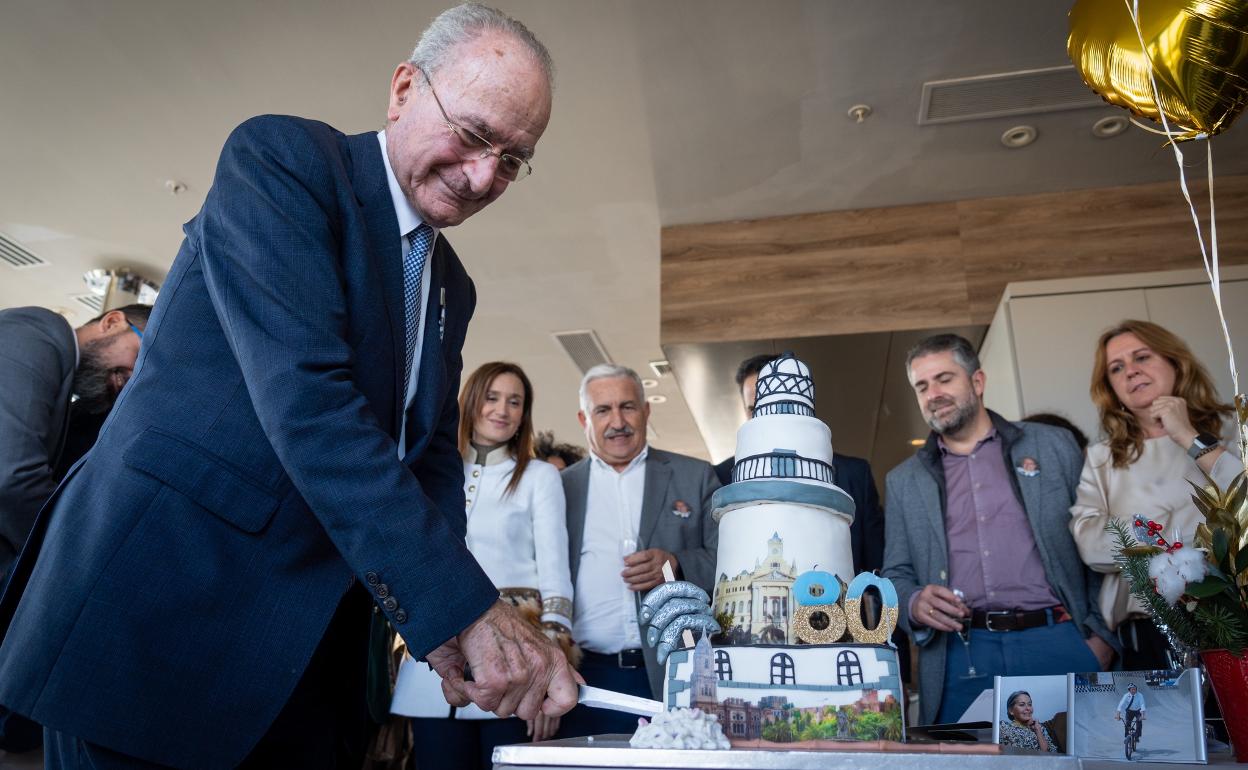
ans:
x=583 y=347
x=1025 y=92
x=95 y=302
x=17 y=256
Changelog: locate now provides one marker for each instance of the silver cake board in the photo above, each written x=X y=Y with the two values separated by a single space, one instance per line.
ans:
x=613 y=751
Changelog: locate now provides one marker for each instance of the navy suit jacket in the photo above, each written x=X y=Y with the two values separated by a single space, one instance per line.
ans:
x=866 y=534
x=249 y=475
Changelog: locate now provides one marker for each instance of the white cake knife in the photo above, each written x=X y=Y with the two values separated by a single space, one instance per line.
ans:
x=598 y=698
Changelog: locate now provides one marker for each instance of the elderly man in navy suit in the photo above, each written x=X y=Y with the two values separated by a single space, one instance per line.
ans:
x=284 y=458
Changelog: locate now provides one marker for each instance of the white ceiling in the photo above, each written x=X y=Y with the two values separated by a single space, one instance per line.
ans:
x=665 y=113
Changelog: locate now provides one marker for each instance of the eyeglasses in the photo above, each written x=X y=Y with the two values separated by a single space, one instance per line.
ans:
x=510 y=167
x=135 y=329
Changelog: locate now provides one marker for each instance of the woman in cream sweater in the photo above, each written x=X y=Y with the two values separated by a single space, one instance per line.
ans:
x=1163 y=426
x=517 y=531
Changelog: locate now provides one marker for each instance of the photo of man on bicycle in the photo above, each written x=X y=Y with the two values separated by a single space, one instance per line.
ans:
x=1131 y=710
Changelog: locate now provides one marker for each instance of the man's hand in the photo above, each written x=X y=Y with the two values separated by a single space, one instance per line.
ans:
x=542 y=727
x=643 y=570
x=515 y=668
x=449 y=662
x=939 y=608
x=1101 y=649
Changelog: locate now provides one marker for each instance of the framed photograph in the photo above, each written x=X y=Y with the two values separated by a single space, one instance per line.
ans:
x=1032 y=712
x=1139 y=716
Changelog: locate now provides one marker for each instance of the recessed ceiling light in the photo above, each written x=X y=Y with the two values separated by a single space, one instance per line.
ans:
x=649 y=383
x=1110 y=125
x=1018 y=136
x=918 y=441
x=657 y=398
x=174 y=187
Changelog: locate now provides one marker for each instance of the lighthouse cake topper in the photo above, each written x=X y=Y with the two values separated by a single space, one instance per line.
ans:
x=795 y=660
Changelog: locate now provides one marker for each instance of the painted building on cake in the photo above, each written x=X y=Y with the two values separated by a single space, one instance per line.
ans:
x=760 y=601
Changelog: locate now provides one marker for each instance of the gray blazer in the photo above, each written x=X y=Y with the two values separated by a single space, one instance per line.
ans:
x=916 y=549
x=694 y=541
x=37 y=362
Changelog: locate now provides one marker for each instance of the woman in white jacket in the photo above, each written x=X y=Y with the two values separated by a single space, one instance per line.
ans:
x=1163 y=427
x=517 y=531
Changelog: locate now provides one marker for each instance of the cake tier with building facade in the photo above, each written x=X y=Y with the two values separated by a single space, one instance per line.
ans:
x=791 y=695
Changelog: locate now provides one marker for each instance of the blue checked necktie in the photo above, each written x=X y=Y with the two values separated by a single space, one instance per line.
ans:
x=419 y=241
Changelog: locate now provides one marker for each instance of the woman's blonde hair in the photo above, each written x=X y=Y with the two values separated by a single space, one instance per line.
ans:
x=473 y=396
x=1191 y=383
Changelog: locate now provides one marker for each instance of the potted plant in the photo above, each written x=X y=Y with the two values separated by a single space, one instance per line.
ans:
x=1198 y=592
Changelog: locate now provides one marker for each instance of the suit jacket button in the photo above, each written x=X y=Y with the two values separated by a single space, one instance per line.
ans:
x=400 y=616
x=371 y=578
x=383 y=591
x=390 y=604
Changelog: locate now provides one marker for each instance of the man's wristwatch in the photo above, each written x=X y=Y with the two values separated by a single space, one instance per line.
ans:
x=1203 y=444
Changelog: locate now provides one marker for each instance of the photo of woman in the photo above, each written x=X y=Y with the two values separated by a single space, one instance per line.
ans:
x=1023 y=730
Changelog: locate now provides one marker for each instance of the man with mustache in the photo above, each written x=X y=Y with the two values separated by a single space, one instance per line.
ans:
x=977 y=541
x=44 y=365
x=631 y=509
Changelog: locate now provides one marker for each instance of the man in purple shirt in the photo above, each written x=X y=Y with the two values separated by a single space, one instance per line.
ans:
x=977 y=542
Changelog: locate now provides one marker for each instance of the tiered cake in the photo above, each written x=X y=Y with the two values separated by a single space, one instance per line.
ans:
x=779 y=674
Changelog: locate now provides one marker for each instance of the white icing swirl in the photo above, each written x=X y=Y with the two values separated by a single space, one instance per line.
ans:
x=680 y=729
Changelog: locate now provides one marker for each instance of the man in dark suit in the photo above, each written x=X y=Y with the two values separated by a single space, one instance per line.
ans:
x=631 y=509
x=853 y=474
x=284 y=458
x=43 y=363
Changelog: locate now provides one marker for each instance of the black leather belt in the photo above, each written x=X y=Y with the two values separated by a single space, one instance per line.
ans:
x=623 y=659
x=1018 y=620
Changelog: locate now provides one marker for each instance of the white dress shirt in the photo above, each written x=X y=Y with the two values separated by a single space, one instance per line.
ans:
x=1134 y=702
x=606 y=609
x=409 y=220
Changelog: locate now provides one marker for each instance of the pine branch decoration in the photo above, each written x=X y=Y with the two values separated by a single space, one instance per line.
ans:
x=1133 y=557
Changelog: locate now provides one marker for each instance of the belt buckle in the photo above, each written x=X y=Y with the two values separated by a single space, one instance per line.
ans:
x=988 y=616
x=619 y=660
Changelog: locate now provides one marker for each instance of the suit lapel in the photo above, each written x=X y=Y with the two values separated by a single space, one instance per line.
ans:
x=931 y=507
x=373 y=194
x=1027 y=489
x=576 y=487
x=658 y=475
x=932 y=495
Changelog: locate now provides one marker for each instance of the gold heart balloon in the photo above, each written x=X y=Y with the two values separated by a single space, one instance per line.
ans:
x=1198 y=51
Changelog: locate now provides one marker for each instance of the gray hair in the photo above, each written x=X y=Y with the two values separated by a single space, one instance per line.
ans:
x=466 y=22
x=1014 y=696
x=608 y=372
x=961 y=348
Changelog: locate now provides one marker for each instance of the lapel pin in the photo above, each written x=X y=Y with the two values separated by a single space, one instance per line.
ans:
x=681 y=509
x=442 y=316
x=1028 y=467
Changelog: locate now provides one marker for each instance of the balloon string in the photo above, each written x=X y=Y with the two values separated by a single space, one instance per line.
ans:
x=1184 y=134
x=1212 y=266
